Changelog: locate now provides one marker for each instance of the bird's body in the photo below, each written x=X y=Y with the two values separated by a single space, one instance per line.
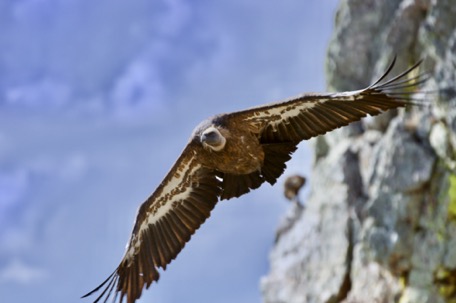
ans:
x=292 y=186
x=242 y=153
x=227 y=156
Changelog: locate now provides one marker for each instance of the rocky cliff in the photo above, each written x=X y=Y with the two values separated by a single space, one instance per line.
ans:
x=380 y=219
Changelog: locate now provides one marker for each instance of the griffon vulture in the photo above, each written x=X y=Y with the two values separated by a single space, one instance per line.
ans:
x=227 y=156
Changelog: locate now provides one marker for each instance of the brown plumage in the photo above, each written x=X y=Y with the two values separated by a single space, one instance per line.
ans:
x=292 y=186
x=229 y=155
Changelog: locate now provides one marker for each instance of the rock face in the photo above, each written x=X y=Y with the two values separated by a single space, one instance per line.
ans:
x=380 y=220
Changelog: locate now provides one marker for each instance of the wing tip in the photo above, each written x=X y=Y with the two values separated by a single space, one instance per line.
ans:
x=109 y=281
x=379 y=85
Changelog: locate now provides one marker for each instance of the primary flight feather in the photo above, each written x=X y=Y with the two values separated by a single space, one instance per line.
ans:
x=227 y=156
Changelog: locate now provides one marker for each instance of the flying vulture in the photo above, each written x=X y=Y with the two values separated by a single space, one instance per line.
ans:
x=227 y=156
x=292 y=186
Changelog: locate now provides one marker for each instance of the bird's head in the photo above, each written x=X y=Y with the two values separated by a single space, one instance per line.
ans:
x=212 y=139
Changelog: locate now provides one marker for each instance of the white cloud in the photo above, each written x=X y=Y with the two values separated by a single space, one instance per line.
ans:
x=74 y=166
x=175 y=19
x=17 y=271
x=74 y=53
x=69 y=166
x=138 y=90
x=16 y=240
x=13 y=185
x=46 y=92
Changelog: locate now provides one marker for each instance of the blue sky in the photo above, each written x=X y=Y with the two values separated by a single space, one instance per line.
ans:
x=97 y=100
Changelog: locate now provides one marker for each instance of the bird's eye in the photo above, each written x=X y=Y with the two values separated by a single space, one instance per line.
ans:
x=210 y=134
x=210 y=137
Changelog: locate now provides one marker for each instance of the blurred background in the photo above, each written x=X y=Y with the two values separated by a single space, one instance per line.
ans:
x=97 y=100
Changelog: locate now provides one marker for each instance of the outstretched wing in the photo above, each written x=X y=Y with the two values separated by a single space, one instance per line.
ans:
x=164 y=223
x=311 y=115
x=281 y=126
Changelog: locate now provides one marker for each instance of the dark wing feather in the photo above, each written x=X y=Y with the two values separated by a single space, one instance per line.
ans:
x=281 y=126
x=275 y=157
x=237 y=185
x=311 y=115
x=165 y=222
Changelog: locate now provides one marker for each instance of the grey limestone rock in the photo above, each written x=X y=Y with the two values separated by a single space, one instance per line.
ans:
x=380 y=219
